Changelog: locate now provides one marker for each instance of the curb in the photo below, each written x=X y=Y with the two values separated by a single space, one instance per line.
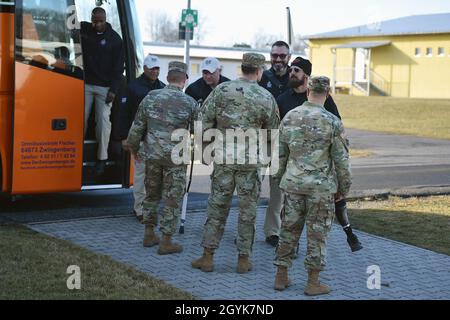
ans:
x=364 y=195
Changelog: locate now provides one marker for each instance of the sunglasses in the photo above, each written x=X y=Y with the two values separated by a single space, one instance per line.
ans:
x=281 y=56
x=294 y=69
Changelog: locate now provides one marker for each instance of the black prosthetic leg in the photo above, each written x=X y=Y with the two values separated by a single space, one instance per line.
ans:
x=342 y=217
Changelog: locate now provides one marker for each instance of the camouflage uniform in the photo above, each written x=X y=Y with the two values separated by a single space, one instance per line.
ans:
x=238 y=104
x=314 y=165
x=160 y=113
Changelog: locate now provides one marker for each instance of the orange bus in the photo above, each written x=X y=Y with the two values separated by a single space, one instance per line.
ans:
x=42 y=144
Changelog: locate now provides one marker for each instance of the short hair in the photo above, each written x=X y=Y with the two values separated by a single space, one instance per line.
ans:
x=98 y=10
x=281 y=43
x=176 y=76
x=249 y=70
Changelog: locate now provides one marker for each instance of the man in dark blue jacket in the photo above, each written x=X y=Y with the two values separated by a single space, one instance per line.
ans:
x=211 y=78
x=103 y=56
x=136 y=92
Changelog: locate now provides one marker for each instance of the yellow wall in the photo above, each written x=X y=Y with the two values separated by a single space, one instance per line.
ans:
x=405 y=74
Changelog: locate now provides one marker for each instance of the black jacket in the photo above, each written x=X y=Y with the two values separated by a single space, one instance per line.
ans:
x=274 y=84
x=199 y=90
x=136 y=91
x=103 y=56
x=291 y=99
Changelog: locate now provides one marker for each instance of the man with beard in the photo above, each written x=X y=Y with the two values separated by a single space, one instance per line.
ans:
x=295 y=96
x=275 y=80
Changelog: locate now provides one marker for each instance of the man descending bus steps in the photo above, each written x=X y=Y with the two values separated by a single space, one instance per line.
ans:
x=160 y=113
x=103 y=56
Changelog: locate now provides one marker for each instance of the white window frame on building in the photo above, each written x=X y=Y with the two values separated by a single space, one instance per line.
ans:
x=441 y=52
x=429 y=52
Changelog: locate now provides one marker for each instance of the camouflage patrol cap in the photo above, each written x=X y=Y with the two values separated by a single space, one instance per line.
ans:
x=178 y=66
x=253 y=60
x=320 y=84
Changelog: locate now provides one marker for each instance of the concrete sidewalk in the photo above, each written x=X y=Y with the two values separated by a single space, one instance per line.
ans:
x=407 y=272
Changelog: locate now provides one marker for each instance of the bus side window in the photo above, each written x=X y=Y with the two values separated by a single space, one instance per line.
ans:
x=44 y=39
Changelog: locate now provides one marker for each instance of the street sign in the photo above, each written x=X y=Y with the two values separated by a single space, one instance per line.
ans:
x=189 y=18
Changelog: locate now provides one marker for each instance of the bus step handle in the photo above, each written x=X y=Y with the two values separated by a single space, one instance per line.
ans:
x=59 y=124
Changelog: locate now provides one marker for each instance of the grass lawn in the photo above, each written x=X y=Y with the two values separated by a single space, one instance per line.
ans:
x=422 y=222
x=418 y=117
x=359 y=153
x=34 y=266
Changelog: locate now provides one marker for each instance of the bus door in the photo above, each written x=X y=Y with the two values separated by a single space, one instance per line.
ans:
x=48 y=98
x=122 y=17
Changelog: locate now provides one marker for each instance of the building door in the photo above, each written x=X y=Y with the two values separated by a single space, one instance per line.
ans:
x=361 y=65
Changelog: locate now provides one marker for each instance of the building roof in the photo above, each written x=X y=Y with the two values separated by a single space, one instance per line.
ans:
x=417 y=24
x=364 y=44
x=167 y=49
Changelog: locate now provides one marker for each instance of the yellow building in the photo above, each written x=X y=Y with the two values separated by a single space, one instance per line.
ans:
x=405 y=57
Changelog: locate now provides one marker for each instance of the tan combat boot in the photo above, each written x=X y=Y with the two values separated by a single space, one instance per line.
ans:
x=281 y=279
x=244 y=264
x=150 y=238
x=314 y=287
x=205 y=263
x=167 y=247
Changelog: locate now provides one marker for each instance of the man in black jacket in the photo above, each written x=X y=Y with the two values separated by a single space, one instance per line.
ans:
x=295 y=96
x=275 y=80
x=137 y=90
x=211 y=77
x=103 y=56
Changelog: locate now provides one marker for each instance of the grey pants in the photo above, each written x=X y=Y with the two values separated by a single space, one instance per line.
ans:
x=102 y=113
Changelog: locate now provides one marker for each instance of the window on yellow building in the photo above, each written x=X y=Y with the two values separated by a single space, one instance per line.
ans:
x=195 y=67
x=429 y=52
x=441 y=52
x=417 y=52
x=239 y=71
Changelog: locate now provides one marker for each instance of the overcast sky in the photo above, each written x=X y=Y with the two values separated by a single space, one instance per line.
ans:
x=236 y=21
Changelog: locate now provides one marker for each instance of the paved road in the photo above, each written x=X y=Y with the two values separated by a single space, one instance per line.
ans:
x=397 y=161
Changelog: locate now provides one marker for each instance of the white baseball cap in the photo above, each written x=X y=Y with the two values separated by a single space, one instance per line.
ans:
x=152 y=62
x=210 y=64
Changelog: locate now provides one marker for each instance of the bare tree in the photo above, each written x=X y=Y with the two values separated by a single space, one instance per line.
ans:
x=201 y=30
x=262 y=40
x=162 y=28
x=299 y=45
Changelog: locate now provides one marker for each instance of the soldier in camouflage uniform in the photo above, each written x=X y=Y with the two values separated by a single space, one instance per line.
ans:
x=239 y=104
x=160 y=113
x=314 y=173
